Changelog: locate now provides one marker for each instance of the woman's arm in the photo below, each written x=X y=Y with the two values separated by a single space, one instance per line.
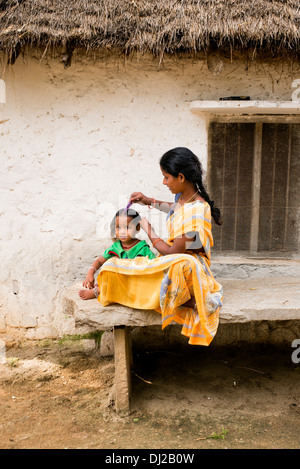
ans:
x=138 y=197
x=180 y=245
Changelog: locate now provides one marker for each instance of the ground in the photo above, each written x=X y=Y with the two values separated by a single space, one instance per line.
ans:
x=58 y=394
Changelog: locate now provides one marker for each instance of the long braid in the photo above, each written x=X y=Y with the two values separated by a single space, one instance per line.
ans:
x=215 y=212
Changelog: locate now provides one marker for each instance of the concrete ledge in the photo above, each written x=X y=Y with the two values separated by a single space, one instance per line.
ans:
x=245 y=300
x=258 y=299
x=246 y=107
x=94 y=316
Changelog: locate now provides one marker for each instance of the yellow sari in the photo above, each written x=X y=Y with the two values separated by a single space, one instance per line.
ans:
x=166 y=283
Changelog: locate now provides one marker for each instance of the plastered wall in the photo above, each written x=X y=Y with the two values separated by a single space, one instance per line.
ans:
x=74 y=144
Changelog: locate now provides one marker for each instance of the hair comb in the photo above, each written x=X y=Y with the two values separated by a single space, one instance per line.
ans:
x=127 y=207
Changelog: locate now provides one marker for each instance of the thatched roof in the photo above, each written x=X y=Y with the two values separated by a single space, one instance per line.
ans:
x=155 y=26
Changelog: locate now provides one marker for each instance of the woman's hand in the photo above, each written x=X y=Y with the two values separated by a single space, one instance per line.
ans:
x=138 y=197
x=145 y=225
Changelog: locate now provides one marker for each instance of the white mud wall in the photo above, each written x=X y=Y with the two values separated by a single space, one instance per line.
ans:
x=74 y=144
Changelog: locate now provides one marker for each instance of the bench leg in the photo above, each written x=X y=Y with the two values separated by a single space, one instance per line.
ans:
x=123 y=361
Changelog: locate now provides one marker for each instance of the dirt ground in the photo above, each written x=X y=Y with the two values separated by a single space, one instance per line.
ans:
x=57 y=394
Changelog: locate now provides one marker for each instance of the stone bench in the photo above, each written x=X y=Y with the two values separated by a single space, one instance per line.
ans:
x=245 y=300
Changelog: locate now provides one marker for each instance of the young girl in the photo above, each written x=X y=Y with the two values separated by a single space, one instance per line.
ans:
x=124 y=227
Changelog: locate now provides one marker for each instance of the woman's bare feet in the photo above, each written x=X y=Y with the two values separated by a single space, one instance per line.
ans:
x=89 y=294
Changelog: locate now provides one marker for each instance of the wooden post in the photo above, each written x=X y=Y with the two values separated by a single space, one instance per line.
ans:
x=123 y=360
x=256 y=188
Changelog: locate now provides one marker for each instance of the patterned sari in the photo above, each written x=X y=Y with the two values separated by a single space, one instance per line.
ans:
x=166 y=283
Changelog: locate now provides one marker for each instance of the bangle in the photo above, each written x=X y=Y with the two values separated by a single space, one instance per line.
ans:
x=150 y=206
x=156 y=241
x=93 y=268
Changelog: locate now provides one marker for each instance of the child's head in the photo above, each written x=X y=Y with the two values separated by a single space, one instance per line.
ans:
x=125 y=225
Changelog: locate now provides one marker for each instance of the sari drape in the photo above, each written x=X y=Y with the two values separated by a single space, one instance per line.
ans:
x=166 y=283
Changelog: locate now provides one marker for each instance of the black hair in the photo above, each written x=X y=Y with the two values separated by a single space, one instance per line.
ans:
x=128 y=213
x=184 y=161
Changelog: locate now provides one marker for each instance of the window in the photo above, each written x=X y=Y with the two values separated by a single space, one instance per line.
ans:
x=254 y=178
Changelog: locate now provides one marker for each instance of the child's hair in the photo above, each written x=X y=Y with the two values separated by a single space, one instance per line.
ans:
x=135 y=216
x=184 y=161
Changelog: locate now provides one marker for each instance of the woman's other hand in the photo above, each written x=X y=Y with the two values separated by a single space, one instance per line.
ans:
x=145 y=225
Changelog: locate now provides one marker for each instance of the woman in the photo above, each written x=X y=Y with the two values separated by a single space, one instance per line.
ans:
x=178 y=284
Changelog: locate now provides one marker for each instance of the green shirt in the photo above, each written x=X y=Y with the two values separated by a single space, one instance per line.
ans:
x=139 y=249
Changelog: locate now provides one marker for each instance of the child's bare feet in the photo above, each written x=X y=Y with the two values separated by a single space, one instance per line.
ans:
x=89 y=294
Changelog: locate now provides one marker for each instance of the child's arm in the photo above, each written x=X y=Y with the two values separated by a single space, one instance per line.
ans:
x=89 y=279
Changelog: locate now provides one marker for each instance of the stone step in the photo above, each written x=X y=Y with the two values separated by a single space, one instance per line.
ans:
x=243 y=267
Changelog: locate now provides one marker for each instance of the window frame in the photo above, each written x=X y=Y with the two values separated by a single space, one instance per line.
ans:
x=258 y=120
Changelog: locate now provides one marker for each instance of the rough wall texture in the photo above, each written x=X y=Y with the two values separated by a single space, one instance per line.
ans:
x=74 y=144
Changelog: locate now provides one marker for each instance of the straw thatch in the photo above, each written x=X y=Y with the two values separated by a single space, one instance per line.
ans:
x=155 y=26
